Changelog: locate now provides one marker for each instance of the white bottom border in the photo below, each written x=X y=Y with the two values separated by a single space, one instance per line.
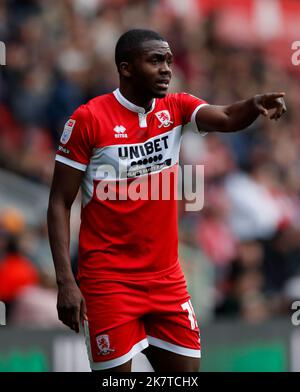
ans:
x=188 y=352
x=137 y=348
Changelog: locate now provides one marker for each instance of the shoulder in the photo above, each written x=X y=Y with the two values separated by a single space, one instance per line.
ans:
x=179 y=98
x=87 y=112
x=101 y=101
x=182 y=101
x=180 y=95
x=172 y=97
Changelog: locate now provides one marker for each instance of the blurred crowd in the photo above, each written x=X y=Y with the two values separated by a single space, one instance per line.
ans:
x=61 y=53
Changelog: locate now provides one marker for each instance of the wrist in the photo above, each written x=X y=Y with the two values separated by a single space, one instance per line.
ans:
x=64 y=281
x=254 y=102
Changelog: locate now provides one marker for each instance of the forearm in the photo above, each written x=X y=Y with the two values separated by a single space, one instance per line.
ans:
x=240 y=115
x=59 y=236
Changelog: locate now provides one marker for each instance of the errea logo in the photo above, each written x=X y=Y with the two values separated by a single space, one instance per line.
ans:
x=120 y=131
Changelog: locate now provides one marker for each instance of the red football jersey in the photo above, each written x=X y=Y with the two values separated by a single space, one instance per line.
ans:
x=129 y=207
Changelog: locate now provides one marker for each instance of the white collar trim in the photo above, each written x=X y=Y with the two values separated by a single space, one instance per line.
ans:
x=129 y=105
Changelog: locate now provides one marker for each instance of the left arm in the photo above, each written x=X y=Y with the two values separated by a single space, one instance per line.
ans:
x=241 y=114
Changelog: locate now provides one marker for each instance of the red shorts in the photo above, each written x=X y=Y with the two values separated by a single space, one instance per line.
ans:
x=126 y=317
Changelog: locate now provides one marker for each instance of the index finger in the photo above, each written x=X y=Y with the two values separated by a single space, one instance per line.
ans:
x=76 y=319
x=275 y=95
x=281 y=100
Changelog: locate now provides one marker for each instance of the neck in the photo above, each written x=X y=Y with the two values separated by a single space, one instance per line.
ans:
x=138 y=98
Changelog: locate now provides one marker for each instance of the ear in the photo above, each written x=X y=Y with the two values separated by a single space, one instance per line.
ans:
x=125 y=69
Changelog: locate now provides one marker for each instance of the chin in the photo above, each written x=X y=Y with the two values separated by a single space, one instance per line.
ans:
x=160 y=94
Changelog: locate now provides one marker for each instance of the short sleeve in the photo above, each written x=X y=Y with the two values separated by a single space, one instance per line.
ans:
x=189 y=106
x=76 y=142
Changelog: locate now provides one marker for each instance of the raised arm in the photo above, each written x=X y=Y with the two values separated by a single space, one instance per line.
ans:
x=70 y=303
x=241 y=114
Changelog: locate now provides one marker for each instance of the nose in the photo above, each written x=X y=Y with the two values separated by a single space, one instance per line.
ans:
x=165 y=68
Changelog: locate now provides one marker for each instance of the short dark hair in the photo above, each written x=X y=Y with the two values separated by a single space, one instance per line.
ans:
x=130 y=42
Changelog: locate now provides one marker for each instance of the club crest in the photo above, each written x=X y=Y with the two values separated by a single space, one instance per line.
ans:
x=164 y=118
x=104 y=345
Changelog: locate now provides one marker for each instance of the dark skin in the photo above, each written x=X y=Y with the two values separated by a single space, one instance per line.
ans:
x=146 y=77
x=65 y=185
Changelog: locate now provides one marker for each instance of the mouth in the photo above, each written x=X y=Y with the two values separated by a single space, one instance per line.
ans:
x=163 y=84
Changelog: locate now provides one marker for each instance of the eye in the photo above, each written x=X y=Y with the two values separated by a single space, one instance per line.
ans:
x=154 y=61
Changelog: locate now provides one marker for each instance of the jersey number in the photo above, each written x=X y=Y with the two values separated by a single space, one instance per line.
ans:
x=191 y=314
